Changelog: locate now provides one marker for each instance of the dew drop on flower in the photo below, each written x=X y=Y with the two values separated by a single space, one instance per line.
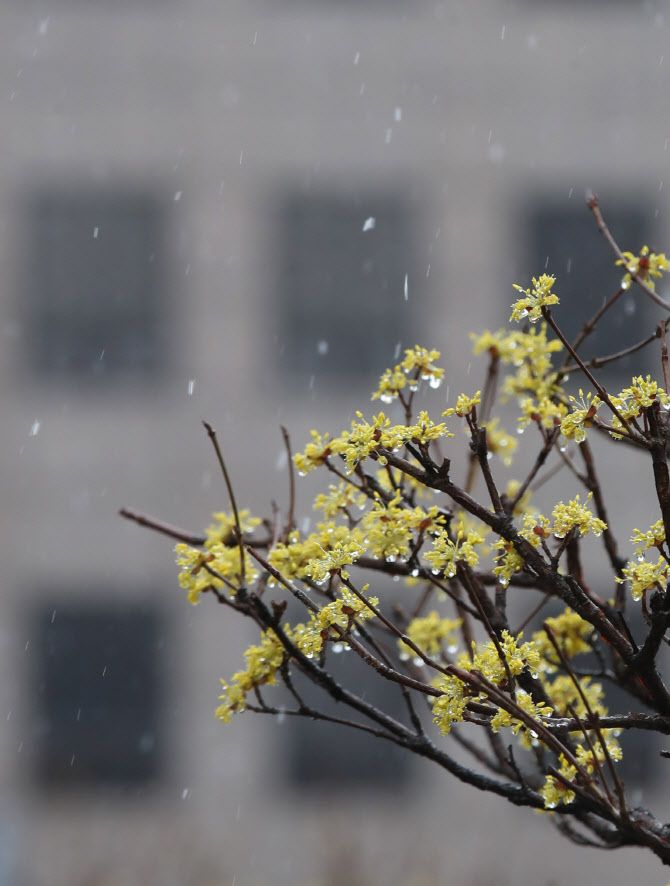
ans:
x=434 y=382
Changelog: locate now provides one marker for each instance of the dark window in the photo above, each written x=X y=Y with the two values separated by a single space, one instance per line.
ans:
x=94 y=287
x=348 y=293
x=326 y=755
x=565 y=242
x=98 y=695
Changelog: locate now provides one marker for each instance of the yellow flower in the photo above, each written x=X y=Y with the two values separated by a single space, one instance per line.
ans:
x=576 y=516
x=418 y=365
x=645 y=576
x=645 y=266
x=535 y=299
x=331 y=562
x=446 y=554
x=429 y=633
x=464 y=405
x=653 y=538
x=583 y=412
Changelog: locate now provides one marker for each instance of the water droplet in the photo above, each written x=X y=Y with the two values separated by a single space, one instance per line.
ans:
x=322 y=347
x=177 y=196
x=369 y=224
x=35 y=429
x=434 y=382
x=191 y=386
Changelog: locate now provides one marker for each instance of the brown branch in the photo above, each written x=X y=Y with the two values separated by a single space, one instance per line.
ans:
x=231 y=495
x=593 y=205
x=184 y=535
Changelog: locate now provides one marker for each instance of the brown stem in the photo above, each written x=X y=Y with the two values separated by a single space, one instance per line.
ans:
x=593 y=205
x=165 y=528
x=231 y=495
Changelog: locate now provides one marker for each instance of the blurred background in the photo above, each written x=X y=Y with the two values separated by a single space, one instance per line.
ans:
x=243 y=212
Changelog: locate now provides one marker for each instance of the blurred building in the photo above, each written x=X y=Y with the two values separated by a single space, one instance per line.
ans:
x=242 y=212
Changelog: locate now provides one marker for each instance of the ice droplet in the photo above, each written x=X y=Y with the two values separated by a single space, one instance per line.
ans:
x=322 y=347
x=96 y=231
x=177 y=196
x=35 y=429
x=369 y=223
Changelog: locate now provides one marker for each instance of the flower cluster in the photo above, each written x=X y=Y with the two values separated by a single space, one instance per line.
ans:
x=556 y=791
x=537 y=297
x=223 y=530
x=449 y=707
x=263 y=661
x=431 y=634
x=646 y=266
x=574 y=425
x=464 y=405
x=646 y=576
x=652 y=538
x=571 y=633
x=331 y=561
x=576 y=517
x=218 y=568
x=418 y=365
x=335 y=619
x=447 y=554
x=390 y=528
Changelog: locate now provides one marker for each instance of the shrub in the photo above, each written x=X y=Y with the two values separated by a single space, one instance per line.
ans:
x=531 y=704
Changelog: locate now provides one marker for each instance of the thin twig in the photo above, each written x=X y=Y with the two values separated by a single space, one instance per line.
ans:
x=290 y=521
x=593 y=205
x=190 y=538
x=231 y=495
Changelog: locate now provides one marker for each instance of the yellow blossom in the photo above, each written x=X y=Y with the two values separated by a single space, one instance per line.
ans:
x=653 y=538
x=464 y=405
x=537 y=297
x=571 y=632
x=446 y=554
x=331 y=561
x=576 y=516
x=645 y=577
x=417 y=365
x=574 y=426
x=429 y=634
x=646 y=265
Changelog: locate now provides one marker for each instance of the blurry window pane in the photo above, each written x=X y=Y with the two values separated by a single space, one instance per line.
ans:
x=98 y=695
x=94 y=284
x=344 y=263
x=565 y=242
